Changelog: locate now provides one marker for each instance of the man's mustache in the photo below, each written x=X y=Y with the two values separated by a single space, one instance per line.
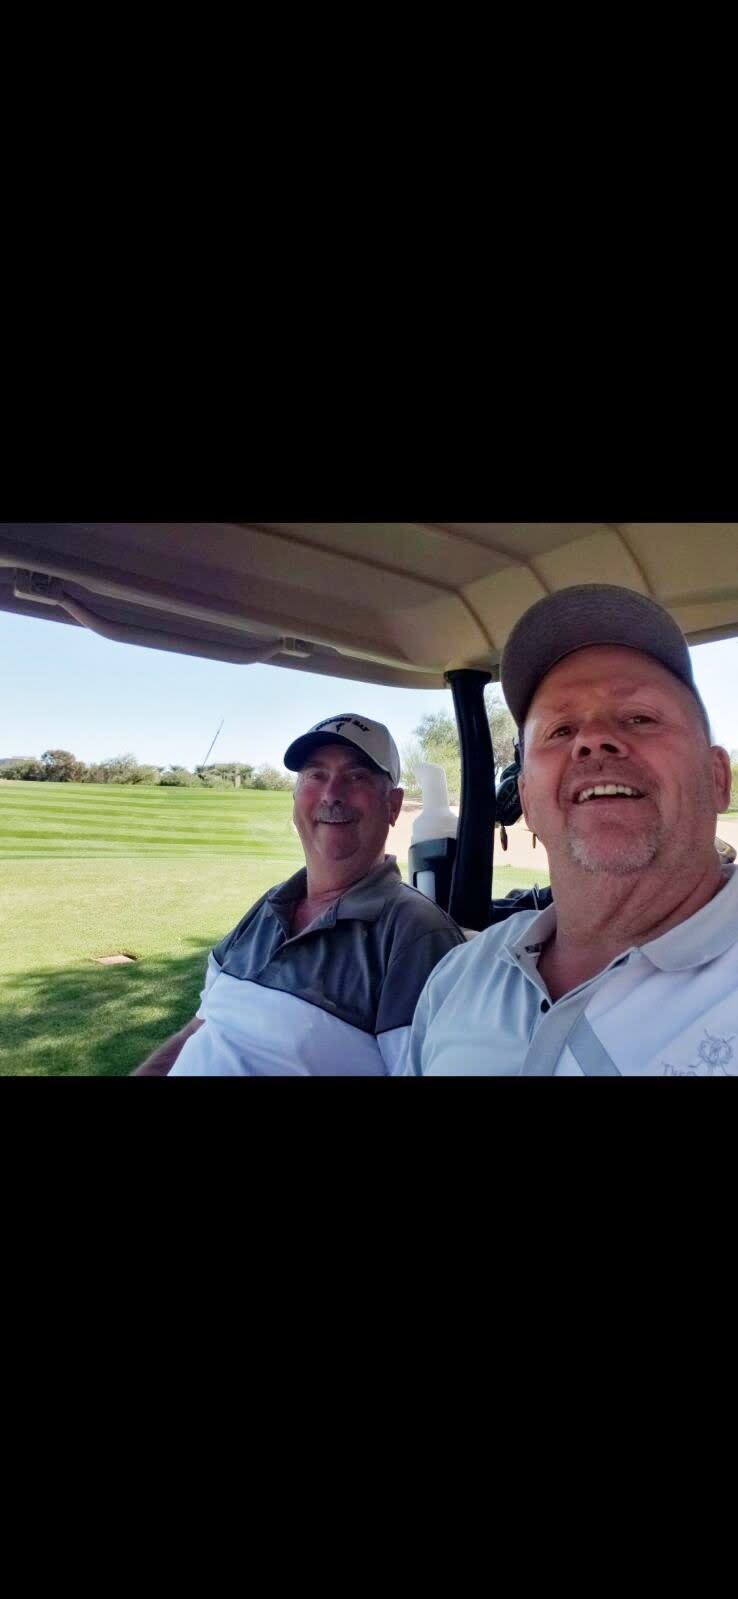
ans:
x=336 y=813
x=602 y=770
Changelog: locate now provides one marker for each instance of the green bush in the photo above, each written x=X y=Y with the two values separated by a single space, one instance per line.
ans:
x=178 y=777
x=223 y=774
x=24 y=768
x=268 y=777
x=143 y=774
x=116 y=769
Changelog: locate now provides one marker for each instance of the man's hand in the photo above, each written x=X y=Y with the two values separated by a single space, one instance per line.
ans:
x=163 y=1058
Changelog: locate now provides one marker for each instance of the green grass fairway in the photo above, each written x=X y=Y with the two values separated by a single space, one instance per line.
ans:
x=157 y=873
x=504 y=878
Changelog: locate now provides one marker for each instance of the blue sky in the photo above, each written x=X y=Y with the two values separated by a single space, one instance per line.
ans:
x=66 y=688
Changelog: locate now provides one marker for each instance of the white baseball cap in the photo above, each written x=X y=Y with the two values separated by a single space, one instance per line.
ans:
x=372 y=738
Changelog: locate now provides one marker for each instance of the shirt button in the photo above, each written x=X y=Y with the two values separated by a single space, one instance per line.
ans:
x=545 y=1005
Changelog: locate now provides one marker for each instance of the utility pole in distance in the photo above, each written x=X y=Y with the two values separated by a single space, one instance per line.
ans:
x=205 y=762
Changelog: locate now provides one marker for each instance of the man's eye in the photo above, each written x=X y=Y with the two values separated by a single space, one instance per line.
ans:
x=563 y=731
x=641 y=716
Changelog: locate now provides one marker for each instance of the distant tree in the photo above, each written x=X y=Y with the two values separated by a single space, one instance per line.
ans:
x=502 y=727
x=222 y=774
x=268 y=777
x=178 y=777
x=211 y=780
x=439 y=729
x=121 y=769
x=61 y=766
x=24 y=769
x=117 y=768
x=438 y=742
x=143 y=774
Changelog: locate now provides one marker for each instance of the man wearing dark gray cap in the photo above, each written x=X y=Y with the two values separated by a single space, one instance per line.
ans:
x=321 y=976
x=633 y=970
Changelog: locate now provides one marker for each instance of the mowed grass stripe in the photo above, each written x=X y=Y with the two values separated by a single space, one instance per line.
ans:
x=75 y=818
x=53 y=849
x=76 y=806
x=167 y=838
x=50 y=796
x=119 y=794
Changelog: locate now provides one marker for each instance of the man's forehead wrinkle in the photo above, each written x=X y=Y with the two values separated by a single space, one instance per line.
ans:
x=597 y=660
x=621 y=686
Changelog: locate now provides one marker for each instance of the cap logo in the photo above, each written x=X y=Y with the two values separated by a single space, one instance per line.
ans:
x=340 y=721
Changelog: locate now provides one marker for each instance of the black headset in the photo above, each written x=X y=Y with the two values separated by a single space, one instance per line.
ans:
x=509 y=808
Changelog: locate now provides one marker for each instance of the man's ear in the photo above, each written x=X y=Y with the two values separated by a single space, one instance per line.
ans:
x=722 y=776
x=396 y=798
x=521 y=791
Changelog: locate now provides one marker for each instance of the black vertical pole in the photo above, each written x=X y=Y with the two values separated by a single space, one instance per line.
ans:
x=471 y=884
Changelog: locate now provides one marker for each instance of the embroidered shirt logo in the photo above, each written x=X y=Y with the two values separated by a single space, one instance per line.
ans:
x=713 y=1058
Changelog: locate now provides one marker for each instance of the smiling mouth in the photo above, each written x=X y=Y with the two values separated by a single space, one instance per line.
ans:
x=608 y=791
x=337 y=821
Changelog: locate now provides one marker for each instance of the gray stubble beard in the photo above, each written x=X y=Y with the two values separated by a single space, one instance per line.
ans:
x=635 y=854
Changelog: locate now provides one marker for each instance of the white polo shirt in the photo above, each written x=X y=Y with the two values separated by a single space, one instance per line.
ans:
x=667 y=1008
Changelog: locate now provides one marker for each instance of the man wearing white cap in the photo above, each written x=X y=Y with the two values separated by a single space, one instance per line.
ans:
x=633 y=970
x=321 y=976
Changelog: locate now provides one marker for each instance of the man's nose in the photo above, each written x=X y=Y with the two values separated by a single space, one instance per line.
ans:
x=334 y=787
x=598 y=738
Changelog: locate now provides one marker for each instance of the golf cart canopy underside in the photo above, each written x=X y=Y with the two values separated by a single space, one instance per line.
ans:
x=400 y=603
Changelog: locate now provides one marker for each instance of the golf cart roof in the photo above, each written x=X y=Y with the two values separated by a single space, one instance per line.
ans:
x=399 y=603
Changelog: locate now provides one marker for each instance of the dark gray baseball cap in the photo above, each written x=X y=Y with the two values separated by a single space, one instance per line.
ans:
x=575 y=618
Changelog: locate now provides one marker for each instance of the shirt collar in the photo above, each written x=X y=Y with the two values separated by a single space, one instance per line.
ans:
x=362 y=901
x=704 y=936
x=534 y=935
x=701 y=938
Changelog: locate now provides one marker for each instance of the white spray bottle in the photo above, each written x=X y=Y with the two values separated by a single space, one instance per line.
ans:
x=432 y=846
